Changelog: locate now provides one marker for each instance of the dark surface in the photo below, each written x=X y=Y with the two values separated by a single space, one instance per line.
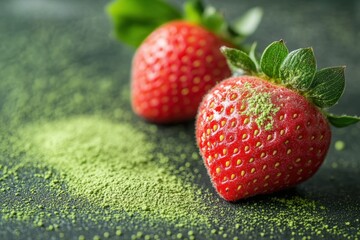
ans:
x=40 y=39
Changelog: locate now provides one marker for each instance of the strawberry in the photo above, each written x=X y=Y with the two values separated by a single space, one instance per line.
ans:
x=172 y=70
x=267 y=130
x=179 y=60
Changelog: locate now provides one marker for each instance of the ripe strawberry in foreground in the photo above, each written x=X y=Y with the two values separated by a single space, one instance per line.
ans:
x=267 y=130
x=179 y=61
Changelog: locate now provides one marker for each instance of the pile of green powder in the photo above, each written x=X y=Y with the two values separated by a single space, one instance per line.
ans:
x=113 y=165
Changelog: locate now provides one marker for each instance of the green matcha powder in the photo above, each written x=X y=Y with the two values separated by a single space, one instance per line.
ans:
x=113 y=165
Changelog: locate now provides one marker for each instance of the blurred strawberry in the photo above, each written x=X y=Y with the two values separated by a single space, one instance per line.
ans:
x=178 y=58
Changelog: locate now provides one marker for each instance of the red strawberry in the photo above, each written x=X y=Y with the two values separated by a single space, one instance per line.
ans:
x=178 y=62
x=172 y=70
x=263 y=133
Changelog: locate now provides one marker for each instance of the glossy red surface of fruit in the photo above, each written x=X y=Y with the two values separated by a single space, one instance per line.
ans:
x=173 y=69
x=256 y=137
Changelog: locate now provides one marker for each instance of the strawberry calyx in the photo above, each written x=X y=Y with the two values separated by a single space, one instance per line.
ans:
x=134 y=20
x=296 y=70
x=213 y=20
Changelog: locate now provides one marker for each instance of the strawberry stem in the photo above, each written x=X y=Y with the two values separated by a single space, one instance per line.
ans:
x=193 y=11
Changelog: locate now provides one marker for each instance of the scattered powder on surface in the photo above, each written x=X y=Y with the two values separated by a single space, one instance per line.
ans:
x=113 y=165
x=339 y=145
x=88 y=172
x=68 y=177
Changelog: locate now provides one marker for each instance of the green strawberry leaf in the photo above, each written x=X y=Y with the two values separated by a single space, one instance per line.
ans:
x=272 y=58
x=134 y=20
x=253 y=56
x=193 y=11
x=327 y=87
x=239 y=60
x=214 y=21
x=209 y=17
x=343 y=120
x=298 y=69
x=248 y=23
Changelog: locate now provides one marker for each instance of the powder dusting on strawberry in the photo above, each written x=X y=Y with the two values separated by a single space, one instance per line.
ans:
x=177 y=58
x=267 y=130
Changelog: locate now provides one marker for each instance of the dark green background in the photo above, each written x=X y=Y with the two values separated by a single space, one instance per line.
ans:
x=41 y=39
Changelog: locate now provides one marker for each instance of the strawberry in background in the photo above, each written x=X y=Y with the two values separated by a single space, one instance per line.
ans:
x=177 y=58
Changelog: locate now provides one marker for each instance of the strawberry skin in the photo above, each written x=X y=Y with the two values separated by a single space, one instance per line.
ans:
x=172 y=70
x=258 y=137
